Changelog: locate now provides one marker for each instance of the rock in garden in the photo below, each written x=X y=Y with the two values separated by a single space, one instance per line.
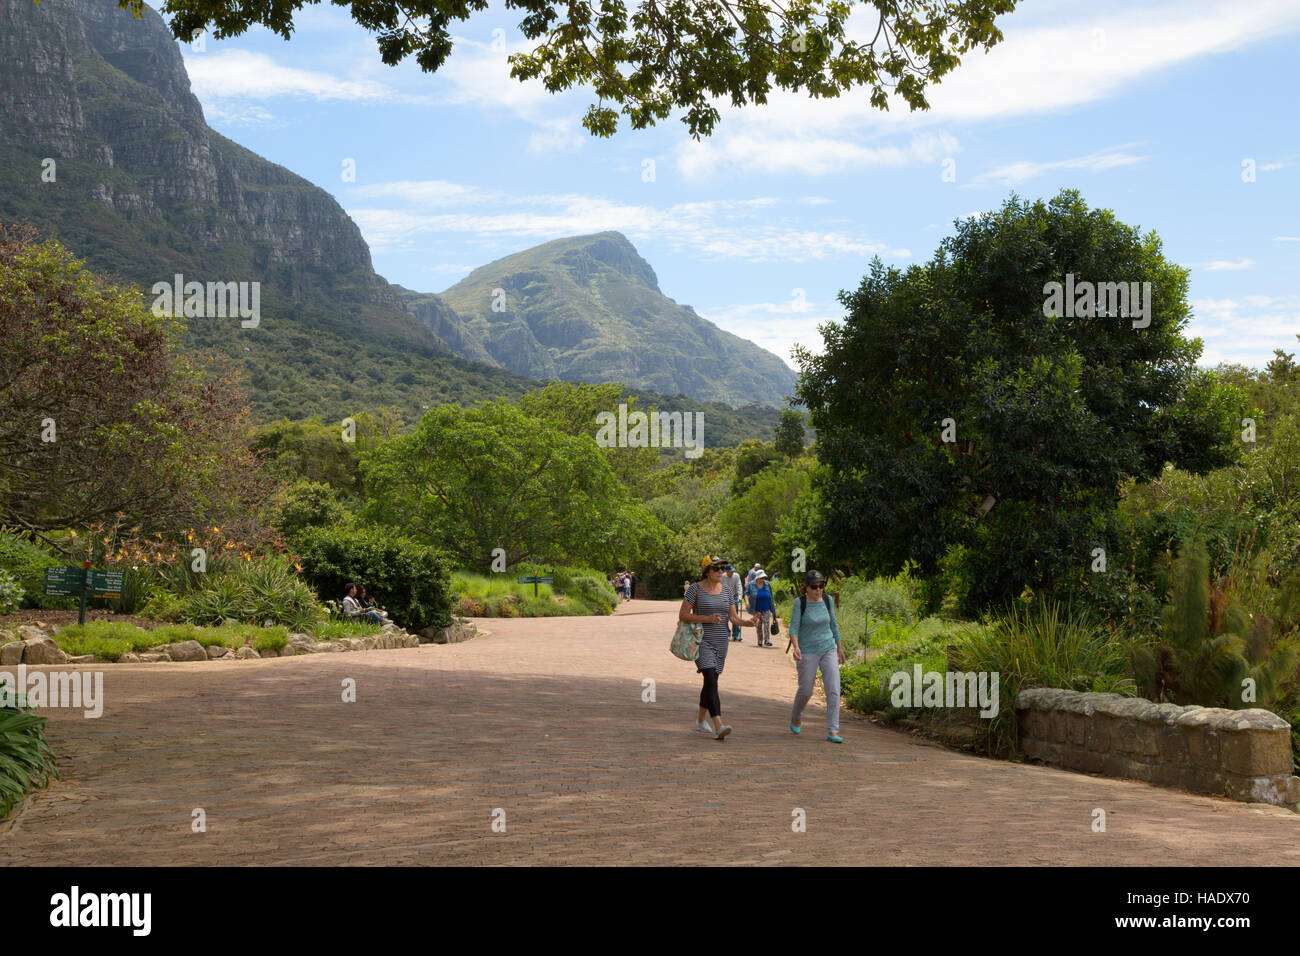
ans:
x=29 y=633
x=155 y=657
x=12 y=653
x=187 y=651
x=43 y=651
x=82 y=659
x=130 y=657
x=216 y=651
x=247 y=653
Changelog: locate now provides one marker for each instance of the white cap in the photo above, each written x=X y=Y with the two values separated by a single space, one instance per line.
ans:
x=760 y=574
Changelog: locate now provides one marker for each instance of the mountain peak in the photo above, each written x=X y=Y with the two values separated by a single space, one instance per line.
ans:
x=588 y=308
x=614 y=250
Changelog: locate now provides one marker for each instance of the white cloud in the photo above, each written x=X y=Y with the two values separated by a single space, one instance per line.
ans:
x=1286 y=238
x=1225 y=265
x=738 y=228
x=1245 y=332
x=1102 y=160
x=221 y=112
x=778 y=326
x=813 y=156
x=243 y=74
x=428 y=192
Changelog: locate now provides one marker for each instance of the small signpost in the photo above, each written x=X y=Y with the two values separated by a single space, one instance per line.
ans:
x=536 y=579
x=65 y=582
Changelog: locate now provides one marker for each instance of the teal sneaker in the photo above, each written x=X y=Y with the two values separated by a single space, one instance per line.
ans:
x=835 y=738
x=794 y=729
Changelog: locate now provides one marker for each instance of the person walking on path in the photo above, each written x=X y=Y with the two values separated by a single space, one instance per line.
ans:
x=734 y=587
x=815 y=636
x=708 y=602
x=761 y=607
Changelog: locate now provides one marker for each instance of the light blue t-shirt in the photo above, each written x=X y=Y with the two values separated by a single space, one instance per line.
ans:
x=817 y=631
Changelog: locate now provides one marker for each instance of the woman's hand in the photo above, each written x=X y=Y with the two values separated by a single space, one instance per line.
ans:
x=839 y=652
x=795 y=644
x=714 y=618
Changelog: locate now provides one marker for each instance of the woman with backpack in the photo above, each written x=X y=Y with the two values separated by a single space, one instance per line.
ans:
x=815 y=637
x=709 y=603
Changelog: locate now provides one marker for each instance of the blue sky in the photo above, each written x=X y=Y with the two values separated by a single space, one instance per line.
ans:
x=1149 y=109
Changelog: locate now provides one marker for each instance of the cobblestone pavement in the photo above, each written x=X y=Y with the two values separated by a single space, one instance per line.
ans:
x=544 y=719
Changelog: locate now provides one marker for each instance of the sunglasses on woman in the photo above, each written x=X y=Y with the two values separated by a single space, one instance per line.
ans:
x=816 y=587
x=716 y=567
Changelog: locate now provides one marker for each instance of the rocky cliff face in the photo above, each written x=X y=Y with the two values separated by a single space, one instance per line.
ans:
x=142 y=187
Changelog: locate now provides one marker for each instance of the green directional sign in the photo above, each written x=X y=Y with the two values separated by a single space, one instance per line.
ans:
x=69 y=582
x=536 y=579
x=64 y=582
x=107 y=583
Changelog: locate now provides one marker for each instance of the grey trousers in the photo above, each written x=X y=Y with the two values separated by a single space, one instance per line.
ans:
x=828 y=664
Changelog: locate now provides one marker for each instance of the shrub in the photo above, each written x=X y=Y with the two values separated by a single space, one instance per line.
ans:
x=332 y=630
x=1043 y=646
x=253 y=592
x=307 y=504
x=576 y=591
x=26 y=760
x=26 y=562
x=272 y=638
x=11 y=593
x=106 y=639
x=410 y=580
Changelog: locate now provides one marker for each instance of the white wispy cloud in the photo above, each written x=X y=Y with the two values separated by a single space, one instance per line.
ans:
x=1225 y=265
x=1286 y=238
x=813 y=156
x=730 y=228
x=1099 y=161
x=243 y=74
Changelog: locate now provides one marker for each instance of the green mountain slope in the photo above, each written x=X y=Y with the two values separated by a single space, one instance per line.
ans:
x=588 y=308
x=143 y=189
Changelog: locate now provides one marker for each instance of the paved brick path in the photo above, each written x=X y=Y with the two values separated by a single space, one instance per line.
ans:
x=586 y=772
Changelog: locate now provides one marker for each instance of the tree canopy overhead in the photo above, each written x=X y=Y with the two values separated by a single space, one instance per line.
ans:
x=646 y=60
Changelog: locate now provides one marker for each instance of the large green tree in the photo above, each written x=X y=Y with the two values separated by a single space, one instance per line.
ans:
x=956 y=406
x=102 y=419
x=651 y=58
x=476 y=479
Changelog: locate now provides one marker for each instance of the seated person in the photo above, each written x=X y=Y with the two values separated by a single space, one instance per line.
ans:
x=353 y=610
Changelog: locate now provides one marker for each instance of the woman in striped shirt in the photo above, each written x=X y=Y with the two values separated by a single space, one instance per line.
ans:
x=707 y=602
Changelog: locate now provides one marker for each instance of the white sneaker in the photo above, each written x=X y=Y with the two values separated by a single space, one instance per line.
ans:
x=722 y=732
x=703 y=727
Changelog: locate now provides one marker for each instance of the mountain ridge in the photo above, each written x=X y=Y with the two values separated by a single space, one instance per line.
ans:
x=584 y=306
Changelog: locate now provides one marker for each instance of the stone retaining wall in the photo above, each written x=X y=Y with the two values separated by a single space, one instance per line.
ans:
x=1239 y=754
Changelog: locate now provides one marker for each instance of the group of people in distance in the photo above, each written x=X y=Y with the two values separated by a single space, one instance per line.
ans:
x=358 y=606
x=714 y=602
x=624 y=584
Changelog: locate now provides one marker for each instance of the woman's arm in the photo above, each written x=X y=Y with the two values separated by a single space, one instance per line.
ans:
x=734 y=616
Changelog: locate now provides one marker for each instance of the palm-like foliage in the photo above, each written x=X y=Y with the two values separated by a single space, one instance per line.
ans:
x=25 y=758
x=1215 y=636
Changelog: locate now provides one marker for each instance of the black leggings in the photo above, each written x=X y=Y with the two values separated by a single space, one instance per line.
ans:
x=709 y=693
